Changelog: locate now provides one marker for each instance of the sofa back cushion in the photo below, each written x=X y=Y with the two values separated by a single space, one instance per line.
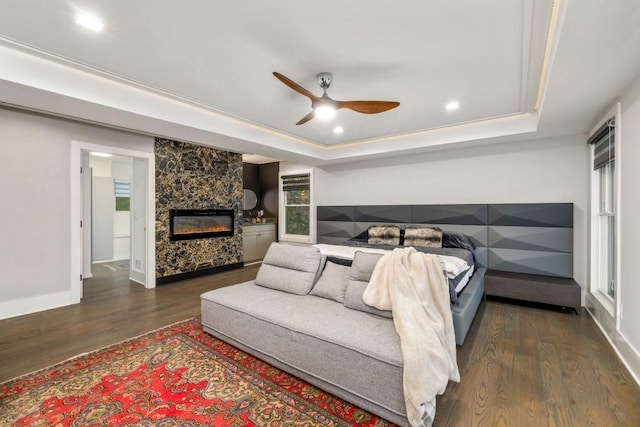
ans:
x=289 y=268
x=361 y=271
x=363 y=265
x=332 y=284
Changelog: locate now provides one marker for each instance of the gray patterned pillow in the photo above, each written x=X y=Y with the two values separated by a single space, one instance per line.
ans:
x=384 y=235
x=423 y=236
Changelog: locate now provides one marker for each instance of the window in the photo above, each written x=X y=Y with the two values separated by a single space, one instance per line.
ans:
x=604 y=194
x=122 y=190
x=296 y=192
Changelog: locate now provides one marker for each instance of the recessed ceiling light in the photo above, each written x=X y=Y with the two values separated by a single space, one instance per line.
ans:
x=98 y=154
x=90 y=21
x=338 y=130
x=453 y=105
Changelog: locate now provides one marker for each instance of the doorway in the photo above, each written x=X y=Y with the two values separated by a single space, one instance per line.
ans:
x=107 y=209
x=112 y=212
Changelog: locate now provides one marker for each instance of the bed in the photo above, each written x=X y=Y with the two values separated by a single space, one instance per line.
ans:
x=466 y=283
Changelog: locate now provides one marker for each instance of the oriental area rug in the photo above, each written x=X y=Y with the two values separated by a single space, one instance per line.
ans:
x=175 y=376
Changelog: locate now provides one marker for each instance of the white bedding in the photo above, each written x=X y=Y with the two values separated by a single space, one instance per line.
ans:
x=463 y=282
x=451 y=265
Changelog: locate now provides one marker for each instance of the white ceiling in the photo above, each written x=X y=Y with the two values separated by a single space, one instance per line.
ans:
x=202 y=71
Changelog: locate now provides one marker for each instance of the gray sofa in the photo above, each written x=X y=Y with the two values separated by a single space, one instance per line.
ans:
x=351 y=353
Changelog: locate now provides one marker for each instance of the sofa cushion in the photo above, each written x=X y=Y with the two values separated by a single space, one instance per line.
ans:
x=332 y=284
x=361 y=270
x=306 y=335
x=289 y=268
x=363 y=265
x=353 y=299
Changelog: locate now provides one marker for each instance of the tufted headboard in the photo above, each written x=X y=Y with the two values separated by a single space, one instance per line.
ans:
x=534 y=238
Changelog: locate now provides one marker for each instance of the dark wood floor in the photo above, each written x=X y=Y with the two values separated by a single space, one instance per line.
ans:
x=520 y=365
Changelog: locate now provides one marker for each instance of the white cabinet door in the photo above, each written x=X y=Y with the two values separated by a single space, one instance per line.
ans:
x=264 y=240
x=256 y=240
x=249 y=246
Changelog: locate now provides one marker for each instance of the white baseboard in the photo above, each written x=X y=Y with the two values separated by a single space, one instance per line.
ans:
x=627 y=354
x=22 y=306
x=137 y=276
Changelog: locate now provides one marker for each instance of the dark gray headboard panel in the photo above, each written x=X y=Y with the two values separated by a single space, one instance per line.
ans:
x=534 y=238
x=339 y=223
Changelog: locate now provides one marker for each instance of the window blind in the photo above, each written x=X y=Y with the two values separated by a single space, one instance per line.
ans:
x=121 y=188
x=604 y=144
x=295 y=182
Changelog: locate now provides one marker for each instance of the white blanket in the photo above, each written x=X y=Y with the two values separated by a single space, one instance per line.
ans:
x=450 y=264
x=413 y=286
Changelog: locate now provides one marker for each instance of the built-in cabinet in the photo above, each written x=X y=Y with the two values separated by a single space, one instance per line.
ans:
x=256 y=239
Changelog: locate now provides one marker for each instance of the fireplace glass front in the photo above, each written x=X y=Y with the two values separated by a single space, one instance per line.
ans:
x=186 y=224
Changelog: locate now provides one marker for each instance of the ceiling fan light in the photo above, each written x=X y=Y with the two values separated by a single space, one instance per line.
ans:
x=90 y=21
x=452 y=106
x=325 y=112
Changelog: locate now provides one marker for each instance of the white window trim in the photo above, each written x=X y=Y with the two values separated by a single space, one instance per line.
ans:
x=604 y=301
x=296 y=238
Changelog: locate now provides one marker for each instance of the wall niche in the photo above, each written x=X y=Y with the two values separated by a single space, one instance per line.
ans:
x=263 y=181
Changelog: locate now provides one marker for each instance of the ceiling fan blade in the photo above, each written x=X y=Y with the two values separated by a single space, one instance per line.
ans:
x=367 y=107
x=295 y=86
x=306 y=118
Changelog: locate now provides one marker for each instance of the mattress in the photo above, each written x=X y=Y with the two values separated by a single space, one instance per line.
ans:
x=458 y=263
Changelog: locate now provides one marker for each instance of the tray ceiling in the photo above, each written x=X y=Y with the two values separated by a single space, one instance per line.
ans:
x=215 y=59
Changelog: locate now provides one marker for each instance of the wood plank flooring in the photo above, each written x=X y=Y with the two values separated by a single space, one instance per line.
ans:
x=112 y=310
x=520 y=365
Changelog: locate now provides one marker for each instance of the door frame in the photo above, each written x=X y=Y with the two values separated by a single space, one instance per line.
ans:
x=77 y=147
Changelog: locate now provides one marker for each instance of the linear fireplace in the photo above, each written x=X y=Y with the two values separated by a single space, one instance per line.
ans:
x=188 y=224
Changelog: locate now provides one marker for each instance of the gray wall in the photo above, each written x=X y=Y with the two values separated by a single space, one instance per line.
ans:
x=35 y=190
x=541 y=171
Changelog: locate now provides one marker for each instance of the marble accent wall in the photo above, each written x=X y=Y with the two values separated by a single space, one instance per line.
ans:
x=190 y=176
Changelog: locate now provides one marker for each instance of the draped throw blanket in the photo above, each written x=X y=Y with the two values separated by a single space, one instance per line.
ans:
x=413 y=285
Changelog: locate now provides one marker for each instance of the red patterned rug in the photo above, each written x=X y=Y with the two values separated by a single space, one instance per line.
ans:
x=175 y=376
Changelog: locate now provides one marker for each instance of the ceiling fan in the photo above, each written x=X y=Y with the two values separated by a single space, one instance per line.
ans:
x=324 y=107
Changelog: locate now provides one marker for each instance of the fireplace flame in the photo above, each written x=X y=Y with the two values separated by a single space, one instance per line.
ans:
x=216 y=229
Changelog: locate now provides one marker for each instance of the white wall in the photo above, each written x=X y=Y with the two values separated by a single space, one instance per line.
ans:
x=554 y=170
x=628 y=157
x=35 y=190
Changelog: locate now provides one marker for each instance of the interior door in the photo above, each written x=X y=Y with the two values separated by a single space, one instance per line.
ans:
x=102 y=210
